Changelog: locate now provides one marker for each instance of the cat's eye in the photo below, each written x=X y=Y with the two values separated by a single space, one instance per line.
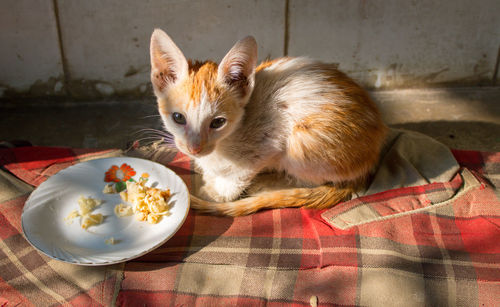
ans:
x=179 y=118
x=218 y=122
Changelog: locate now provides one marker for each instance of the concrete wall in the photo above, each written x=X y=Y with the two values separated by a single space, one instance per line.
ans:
x=91 y=49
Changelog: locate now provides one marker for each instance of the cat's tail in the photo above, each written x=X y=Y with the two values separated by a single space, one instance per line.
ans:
x=320 y=197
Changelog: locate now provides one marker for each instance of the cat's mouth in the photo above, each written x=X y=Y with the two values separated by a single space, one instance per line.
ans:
x=196 y=152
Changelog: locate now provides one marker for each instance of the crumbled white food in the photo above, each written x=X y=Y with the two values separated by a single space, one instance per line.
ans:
x=110 y=241
x=122 y=210
x=109 y=189
x=87 y=205
x=73 y=214
x=91 y=220
x=313 y=301
x=149 y=204
x=123 y=195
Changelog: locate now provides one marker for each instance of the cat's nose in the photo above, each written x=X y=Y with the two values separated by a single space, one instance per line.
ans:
x=194 y=149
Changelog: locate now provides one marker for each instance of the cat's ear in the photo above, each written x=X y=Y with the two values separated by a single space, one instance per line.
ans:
x=238 y=66
x=168 y=64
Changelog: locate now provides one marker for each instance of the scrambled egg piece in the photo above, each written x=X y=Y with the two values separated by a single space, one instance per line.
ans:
x=91 y=220
x=122 y=210
x=109 y=189
x=149 y=204
x=87 y=205
x=71 y=216
x=123 y=195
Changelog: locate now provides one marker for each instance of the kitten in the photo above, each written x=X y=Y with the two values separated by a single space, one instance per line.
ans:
x=291 y=115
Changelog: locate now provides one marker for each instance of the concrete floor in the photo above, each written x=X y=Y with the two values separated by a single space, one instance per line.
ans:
x=462 y=118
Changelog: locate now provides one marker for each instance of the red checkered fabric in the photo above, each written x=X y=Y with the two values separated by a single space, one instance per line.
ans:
x=434 y=245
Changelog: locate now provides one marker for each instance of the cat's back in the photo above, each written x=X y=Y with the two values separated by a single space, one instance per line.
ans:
x=328 y=120
x=301 y=87
x=301 y=84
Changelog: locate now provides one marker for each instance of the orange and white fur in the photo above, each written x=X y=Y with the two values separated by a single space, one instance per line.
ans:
x=293 y=116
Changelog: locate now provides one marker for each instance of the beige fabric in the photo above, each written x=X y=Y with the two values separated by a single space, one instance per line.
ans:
x=11 y=187
x=411 y=159
x=356 y=213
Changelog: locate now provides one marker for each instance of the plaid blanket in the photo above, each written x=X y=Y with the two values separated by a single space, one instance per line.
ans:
x=434 y=244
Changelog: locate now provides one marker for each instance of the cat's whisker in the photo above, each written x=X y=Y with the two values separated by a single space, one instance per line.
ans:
x=167 y=145
x=149 y=130
x=158 y=135
x=159 y=143
x=143 y=142
x=156 y=139
x=150 y=116
x=144 y=127
x=138 y=133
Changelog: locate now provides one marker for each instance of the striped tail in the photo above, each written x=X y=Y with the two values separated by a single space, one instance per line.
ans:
x=320 y=197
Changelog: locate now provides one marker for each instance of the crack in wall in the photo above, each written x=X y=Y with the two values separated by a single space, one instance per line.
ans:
x=495 y=72
x=286 y=37
x=66 y=75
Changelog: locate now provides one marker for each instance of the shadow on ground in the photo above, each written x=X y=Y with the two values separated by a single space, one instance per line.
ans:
x=460 y=135
x=462 y=118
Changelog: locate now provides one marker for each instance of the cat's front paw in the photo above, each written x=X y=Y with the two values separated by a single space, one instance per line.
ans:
x=207 y=192
x=221 y=189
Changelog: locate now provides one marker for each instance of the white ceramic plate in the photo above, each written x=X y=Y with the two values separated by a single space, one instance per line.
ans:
x=44 y=225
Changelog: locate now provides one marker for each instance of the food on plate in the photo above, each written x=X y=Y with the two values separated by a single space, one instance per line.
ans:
x=122 y=210
x=149 y=204
x=87 y=205
x=109 y=189
x=123 y=195
x=73 y=214
x=91 y=220
x=110 y=241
